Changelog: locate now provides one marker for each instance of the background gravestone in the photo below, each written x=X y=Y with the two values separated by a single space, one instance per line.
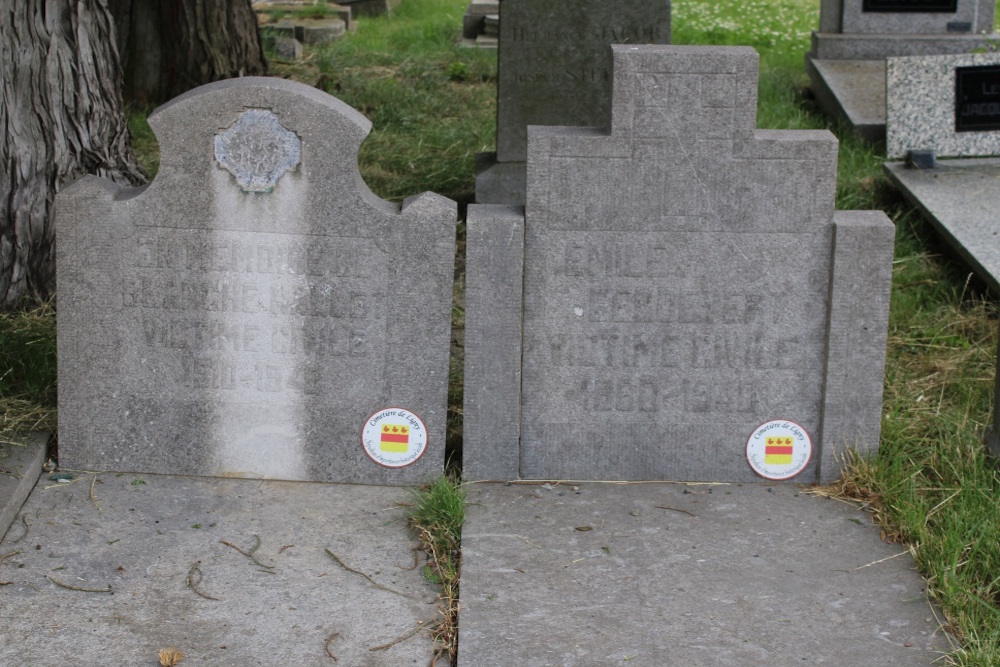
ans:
x=685 y=280
x=877 y=29
x=948 y=104
x=555 y=69
x=247 y=312
x=847 y=62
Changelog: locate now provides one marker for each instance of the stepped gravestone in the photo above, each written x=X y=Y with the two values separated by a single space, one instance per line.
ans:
x=847 y=61
x=555 y=69
x=684 y=282
x=255 y=309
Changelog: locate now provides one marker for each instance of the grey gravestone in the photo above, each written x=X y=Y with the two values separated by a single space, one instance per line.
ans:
x=475 y=18
x=852 y=29
x=947 y=104
x=685 y=280
x=288 y=48
x=370 y=7
x=847 y=62
x=555 y=69
x=248 y=311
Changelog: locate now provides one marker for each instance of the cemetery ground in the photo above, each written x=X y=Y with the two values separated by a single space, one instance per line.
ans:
x=931 y=487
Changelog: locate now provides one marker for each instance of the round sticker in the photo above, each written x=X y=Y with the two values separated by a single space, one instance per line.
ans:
x=779 y=449
x=394 y=437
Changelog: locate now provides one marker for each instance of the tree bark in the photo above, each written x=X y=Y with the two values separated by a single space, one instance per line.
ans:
x=171 y=46
x=61 y=115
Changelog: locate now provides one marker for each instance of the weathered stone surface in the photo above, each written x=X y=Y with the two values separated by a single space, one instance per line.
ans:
x=853 y=92
x=210 y=330
x=370 y=7
x=288 y=48
x=856 y=336
x=157 y=543
x=677 y=284
x=321 y=31
x=474 y=20
x=917 y=16
x=257 y=150
x=555 y=64
x=853 y=30
x=721 y=576
x=924 y=113
x=493 y=306
x=867 y=46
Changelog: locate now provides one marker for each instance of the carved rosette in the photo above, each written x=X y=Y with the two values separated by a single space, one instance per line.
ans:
x=257 y=150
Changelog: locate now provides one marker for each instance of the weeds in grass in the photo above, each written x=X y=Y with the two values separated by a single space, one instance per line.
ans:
x=437 y=516
x=27 y=371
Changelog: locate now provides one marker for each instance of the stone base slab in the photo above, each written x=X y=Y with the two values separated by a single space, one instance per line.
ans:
x=837 y=46
x=670 y=574
x=960 y=198
x=852 y=91
x=160 y=544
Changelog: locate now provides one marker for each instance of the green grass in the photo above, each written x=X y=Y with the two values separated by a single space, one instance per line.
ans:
x=432 y=104
x=437 y=516
x=27 y=371
x=433 y=107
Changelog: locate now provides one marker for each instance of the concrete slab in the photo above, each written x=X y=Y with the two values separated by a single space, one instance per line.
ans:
x=961 y=199
x=662 y=574
x=20 y=467
x=142 y=535
x=853 y=91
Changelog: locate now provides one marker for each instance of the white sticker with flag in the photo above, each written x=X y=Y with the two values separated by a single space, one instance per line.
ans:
x=394 y=437
x=779 y=449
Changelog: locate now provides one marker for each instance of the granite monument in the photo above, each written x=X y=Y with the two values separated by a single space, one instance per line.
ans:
x=847 y=62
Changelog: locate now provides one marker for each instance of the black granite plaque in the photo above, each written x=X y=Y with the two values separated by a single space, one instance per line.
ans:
x=912 y=6
x=977 y=98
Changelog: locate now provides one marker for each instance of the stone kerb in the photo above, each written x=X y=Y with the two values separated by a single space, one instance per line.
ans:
x=685 y=280
x=922 y=112
x=876 y=29
x=254 y=307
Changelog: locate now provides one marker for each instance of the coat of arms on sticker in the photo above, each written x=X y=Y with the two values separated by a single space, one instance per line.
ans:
x=394 y=437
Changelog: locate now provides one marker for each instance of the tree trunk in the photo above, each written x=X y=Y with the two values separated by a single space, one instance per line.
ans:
x=171 y=46
x=61 y=114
